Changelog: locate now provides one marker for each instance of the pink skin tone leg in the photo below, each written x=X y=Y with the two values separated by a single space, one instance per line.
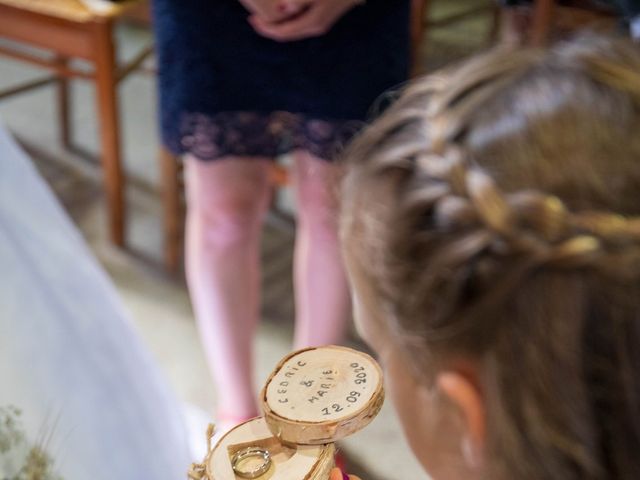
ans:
x=227 y=201
x=321 y=291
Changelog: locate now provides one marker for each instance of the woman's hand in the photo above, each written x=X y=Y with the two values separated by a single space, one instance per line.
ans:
x=336 y=474
x=315 y=18
x=273 y=11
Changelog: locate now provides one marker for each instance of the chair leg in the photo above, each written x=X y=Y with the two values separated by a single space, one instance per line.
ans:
x=541 y=22
x=106 y=84
x=419 y=9
x=64 y=106
x=171 y=193
x=494 y=29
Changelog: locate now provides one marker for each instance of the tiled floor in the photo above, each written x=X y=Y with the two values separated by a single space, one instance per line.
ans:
x=159 y=303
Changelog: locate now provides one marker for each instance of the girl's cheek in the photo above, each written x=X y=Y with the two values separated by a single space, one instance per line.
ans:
x=367 y=324
x=413 y=404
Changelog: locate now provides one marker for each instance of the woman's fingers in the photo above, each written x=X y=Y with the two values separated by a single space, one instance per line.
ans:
x=303 y=26
x=314 y=19
x=274 y=11
x=292 y=7
x=336 y=474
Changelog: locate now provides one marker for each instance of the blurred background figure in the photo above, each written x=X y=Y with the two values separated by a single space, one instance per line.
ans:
x=237 y=90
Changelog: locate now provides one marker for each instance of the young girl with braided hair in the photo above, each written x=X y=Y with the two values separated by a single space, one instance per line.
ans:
x=491 y=228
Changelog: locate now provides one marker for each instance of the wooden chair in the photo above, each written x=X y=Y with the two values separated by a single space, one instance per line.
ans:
x=69 y=29
x=422 y=21
x=551 y=16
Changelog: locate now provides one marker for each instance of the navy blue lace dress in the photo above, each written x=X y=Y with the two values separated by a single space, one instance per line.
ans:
x=225 y=90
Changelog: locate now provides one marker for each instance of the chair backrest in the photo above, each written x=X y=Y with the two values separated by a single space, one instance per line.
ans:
x=417 y=26
x=549 y=14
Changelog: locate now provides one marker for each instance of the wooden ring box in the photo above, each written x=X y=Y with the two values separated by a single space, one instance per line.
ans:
x=313 y=398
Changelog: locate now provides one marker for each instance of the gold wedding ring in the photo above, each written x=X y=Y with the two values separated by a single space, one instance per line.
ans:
x=251 y=452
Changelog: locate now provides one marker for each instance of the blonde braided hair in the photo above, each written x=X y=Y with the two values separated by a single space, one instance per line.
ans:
x=498 y=203
x=529 y=222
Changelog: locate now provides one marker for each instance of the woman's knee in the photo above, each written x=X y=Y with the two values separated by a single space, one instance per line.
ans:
x=227 y=223
x=226 y=209
x=317 y=215
x=317 y=197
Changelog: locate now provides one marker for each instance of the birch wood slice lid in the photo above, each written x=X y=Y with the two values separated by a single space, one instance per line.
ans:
x=320 y=395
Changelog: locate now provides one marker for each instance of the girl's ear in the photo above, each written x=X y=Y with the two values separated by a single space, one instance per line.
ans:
x=465 y=396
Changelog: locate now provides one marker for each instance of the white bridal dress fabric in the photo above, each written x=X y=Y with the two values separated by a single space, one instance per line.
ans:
x=69 y=357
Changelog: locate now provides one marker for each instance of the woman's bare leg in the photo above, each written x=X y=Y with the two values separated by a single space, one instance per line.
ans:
x=321 y=291
x=227 y=200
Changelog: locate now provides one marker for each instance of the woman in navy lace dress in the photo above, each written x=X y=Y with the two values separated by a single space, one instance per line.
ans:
x=237 y=91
